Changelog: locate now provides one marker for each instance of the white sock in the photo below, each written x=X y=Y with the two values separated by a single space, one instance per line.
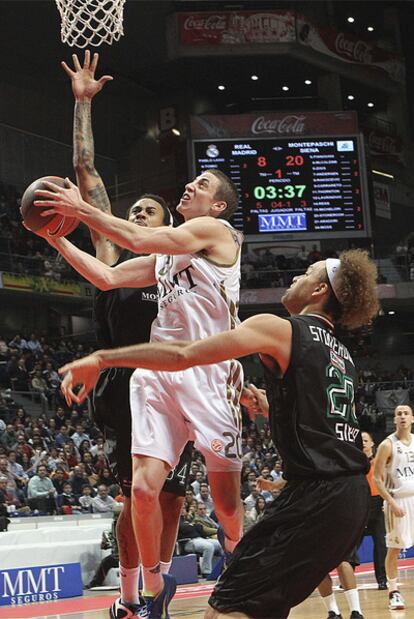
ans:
x=330 y=603
x=352 y=597
x=128 y=580
x=165 y=566
x=392 y=584
x=153 y=582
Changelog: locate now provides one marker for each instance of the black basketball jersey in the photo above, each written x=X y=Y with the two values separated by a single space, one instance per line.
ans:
x=123 y=316
x=312 y=409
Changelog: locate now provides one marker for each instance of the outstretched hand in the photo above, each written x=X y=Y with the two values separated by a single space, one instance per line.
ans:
x=84 y=84
x=63 y=200
x=255 y=401
x=84 y=373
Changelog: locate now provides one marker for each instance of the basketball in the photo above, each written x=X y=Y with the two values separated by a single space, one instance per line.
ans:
x=55 y=225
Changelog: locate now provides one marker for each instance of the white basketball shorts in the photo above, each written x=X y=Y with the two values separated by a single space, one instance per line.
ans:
x=400 y=531
x=200 y=404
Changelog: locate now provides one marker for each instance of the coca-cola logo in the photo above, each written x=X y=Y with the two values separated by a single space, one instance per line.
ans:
x=290 y=124
x=359 y=51
x=212 y=22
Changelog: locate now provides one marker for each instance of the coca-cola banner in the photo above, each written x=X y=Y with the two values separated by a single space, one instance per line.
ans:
x=236 y=28
x=348 y=48
x=383 y=145
x=274 y=124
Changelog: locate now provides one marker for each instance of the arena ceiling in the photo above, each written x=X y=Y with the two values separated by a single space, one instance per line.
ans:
x=30 y=43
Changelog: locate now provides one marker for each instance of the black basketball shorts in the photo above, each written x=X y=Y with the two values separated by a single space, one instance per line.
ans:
x=307 y=531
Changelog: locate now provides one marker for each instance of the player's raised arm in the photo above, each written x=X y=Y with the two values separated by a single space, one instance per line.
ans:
x=91 y=186
x=265 y=334
x=135 y=273
x=195 y=235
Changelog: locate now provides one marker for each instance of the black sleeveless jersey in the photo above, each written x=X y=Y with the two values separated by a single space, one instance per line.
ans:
x=312 y=409
x=123 y=316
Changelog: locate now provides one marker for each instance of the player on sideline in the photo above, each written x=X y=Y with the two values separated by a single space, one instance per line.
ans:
x=321 y=513
x=197 y=268
x=394 y=478
x=116 y=313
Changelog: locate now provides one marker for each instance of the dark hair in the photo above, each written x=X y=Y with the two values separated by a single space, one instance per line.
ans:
x=227 y=192
x=168 y=219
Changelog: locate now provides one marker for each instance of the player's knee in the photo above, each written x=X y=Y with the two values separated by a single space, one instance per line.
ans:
x=145 y=497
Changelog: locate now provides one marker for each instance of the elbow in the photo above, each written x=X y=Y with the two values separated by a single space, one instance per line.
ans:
x=105 y=282
x=182 y=359
x=83 y=166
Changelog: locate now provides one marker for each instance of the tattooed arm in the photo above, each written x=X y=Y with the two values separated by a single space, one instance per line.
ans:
x=85 y=87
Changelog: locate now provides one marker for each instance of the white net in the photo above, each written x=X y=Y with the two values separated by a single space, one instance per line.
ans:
x=91 y=22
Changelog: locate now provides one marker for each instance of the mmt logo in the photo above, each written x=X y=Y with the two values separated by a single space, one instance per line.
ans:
x=282 y=222
x=39 y=584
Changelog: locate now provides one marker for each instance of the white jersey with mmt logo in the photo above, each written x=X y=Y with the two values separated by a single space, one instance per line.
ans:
x=197 y=297
x=400 y=483
x=400 y=469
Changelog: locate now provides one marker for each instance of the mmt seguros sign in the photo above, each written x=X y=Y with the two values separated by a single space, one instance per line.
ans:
x=26 y=585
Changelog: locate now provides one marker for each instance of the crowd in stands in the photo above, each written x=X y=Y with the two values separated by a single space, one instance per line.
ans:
x=56 y=463
x=21 y=251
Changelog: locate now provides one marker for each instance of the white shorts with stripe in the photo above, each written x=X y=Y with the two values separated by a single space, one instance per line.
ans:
x=400 y=531
x=199 y=404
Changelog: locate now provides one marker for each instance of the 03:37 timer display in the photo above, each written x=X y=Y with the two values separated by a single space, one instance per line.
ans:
x=280 y=196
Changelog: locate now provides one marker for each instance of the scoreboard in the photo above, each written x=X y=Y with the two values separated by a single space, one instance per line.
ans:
x=306 y=188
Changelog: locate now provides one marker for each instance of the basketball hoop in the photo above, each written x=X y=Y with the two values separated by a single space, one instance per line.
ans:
x=91 y=22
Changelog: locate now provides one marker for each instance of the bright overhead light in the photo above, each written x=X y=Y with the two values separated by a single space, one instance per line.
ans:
x=254 y=77
x=391 y=313
x=221 y=87
x=370 y=104
x=285 y=88
x=176 y=131
x=370 y=28
x=350 y=97
x=383 y=174
x=308 y=82
x=350 y=20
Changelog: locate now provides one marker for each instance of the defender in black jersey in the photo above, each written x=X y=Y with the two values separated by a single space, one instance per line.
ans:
x=123 y=317
x=311 y=380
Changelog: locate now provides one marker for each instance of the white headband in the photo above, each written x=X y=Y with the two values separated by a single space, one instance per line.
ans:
x=332 y=268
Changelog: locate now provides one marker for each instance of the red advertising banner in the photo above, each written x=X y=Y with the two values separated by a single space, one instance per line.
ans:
x=348 y=48
x=274 y=124
x=231 y=28
x=236 y=28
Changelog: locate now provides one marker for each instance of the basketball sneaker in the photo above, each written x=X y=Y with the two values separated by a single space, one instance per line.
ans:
x=157 y=607
x=396 y=601
x=356 y=615
x=119 y=610
x=332 y=615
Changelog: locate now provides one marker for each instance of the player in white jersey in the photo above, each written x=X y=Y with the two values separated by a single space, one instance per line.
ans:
x=394 y=477
x=197 y=269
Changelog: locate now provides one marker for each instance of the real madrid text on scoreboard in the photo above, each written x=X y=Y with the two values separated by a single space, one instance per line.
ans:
x=293 y=188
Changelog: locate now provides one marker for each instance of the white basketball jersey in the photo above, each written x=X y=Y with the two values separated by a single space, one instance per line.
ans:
x=400 y=470
x=196 y=296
